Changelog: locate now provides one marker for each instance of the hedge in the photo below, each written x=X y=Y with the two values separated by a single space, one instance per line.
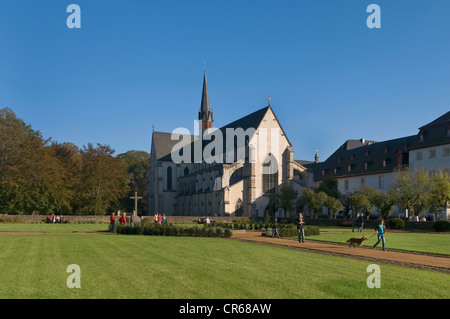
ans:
x=171 y=230
x=289 y=230
x=441 y=226
x=396 y=223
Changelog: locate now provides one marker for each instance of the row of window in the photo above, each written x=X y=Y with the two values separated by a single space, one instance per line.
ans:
x=363 y=181
x=432 y=154
x=269 y=181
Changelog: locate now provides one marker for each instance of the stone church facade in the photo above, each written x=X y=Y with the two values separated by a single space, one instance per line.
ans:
x=230 y=171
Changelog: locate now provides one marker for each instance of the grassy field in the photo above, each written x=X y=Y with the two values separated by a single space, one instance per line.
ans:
x=54 y=228
x=120 y=266
x=407 y=241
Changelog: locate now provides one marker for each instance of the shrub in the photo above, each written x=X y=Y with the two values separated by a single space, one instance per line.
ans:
x=171 y=230
x=219 y=232
x=227 y=233
x=396 y=223
x=441 y=226
x=312 y=231
x=291 y=231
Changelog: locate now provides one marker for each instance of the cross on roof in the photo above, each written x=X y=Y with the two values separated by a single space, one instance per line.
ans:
x=269 y=99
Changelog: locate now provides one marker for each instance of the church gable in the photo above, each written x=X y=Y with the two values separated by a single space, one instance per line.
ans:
x=230 y=170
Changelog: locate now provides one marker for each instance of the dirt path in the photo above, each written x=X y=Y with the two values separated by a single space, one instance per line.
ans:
x=415 y=260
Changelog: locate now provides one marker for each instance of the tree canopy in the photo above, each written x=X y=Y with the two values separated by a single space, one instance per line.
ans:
x=43 y=176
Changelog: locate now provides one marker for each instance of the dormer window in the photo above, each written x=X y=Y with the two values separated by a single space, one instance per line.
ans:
x=334 y=170
x=339 y=160
x=366 y=153
x=352 y=157
x=448 y=130
x=385 y=150
x=349 y=168
x=365 y=165
x=323 y=172
x=420 y=136
x=383 y=160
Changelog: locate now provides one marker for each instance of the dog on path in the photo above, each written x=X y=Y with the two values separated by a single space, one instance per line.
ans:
x=356 y=241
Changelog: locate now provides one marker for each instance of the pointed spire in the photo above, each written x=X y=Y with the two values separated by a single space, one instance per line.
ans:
x=205 y=108
x=205 y=114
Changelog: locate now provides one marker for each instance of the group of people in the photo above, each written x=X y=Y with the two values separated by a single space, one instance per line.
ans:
x=122 y=219
x=160 y=219
x=357 y=218
x=58 y=219
x=204 y=220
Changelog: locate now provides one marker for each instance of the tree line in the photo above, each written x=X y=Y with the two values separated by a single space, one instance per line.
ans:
x=415 y=191
x=41 y=176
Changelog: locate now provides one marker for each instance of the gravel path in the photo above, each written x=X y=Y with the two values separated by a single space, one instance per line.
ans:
x=408 y=259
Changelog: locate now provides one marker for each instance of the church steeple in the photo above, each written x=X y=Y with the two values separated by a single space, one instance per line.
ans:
x=205 y=114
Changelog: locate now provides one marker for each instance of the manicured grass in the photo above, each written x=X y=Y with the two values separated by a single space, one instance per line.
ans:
x=54 y=228
x=122 y=266
x=407 y=241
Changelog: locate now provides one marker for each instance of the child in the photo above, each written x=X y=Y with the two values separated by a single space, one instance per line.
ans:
x=380 y=232
x=275 y=228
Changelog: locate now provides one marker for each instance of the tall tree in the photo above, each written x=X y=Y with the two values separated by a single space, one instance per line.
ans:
x=138 y=164
x=103 y=179
x=29 y=175
x=330 y=187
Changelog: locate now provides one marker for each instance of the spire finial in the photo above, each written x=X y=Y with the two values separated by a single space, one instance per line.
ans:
x=269 y=99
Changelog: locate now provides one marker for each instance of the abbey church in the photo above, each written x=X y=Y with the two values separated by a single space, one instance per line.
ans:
x=230 y=171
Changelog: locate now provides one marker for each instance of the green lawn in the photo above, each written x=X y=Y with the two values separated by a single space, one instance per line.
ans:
x=407 y=241
x=121 y=266
x=54 y=228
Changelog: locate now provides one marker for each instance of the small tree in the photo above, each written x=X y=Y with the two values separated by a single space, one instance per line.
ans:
x=312 y=200
x=385 y=203
x=334 y=205
x=287 y=197
x=412 y=190
x=361 y=203
x=440 y=190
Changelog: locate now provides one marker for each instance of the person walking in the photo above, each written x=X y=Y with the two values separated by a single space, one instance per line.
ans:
x=112 y=220
x=123 y=219
x=361 y=221
x=275 y=228
x=353 y=220
x=132 y=218
x=381 y=229
x=301 y=232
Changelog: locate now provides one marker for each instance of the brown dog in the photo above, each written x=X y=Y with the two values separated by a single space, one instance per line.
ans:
x=356 y=241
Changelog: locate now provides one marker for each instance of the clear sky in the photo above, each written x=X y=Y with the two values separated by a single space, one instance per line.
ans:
x=136 y=63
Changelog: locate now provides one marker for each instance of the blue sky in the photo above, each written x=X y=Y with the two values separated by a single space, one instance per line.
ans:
x=137 y=63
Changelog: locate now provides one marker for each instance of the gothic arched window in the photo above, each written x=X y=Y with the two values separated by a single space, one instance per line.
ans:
x=169 y=178
x=270 y=174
